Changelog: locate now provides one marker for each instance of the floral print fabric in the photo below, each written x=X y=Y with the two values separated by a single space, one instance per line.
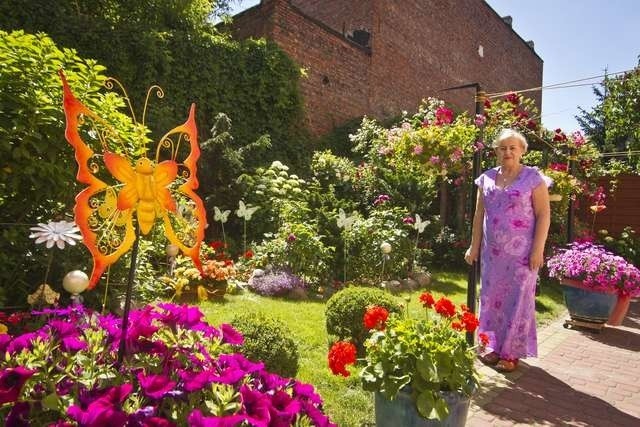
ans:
x=507 y=296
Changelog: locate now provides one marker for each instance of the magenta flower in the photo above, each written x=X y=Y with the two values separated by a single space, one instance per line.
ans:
x=256 y=407
x=434 y=160
x=417 y=150
x=306 y=392
x=196 y=419
x=230 y=335
x=155 y=386
x=68 y=334
x=291 y=238
x=381 y=199
x=5 y=339
x=19 y=415
x=578 y=139
x=11 y=382
x=480 y=120
x=408 y=220
x=159 y=340
x=443 y=116
x=180 y=315
x=193 y=381
x=104 y=411
x=283 y=409
x=25 y=341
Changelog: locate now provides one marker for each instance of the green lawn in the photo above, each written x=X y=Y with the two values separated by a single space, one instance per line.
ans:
x=345 y=402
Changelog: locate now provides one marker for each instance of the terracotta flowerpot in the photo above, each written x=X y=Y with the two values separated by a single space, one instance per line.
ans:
x=619 y=311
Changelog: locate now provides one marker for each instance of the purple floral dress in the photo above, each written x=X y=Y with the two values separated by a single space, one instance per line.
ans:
x=507 y=296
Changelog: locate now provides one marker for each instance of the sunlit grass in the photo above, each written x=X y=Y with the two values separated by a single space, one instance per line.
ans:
x=345 y=401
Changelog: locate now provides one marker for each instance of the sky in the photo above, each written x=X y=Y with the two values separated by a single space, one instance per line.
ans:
x=576 y=39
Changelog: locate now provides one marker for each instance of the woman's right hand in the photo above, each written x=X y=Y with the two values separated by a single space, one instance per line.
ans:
x=471 y=255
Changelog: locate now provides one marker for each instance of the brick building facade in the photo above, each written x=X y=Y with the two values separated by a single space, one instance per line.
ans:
x=379 y=57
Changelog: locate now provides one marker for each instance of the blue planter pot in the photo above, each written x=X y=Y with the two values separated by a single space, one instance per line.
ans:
x=402 y=412
x=588 y=305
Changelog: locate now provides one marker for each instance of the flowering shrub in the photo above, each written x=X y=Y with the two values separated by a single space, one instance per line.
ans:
x=275 y=283
x=434 y=139
x=178 y=371
x=427 y=356
x=296 y=246
x=597 y=268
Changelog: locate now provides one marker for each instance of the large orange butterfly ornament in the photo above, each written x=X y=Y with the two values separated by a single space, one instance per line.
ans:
x=143 y=191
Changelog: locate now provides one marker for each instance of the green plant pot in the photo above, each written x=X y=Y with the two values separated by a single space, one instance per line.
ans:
x=402 y=411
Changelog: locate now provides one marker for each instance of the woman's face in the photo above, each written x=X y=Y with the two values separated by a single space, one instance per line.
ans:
x=509 y=152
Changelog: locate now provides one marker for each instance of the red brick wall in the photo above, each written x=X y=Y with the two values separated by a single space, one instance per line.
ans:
x=436 y=46
x=342 y=16
x=417 y=48
x=254 y=22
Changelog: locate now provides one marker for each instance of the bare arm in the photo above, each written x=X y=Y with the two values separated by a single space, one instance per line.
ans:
x=542 y=212
x=472 y=253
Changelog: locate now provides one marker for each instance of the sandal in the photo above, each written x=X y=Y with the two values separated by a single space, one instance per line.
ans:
x=507 y=365
x=490 y=358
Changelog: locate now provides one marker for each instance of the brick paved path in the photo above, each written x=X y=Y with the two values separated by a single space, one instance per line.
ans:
x=580 y=378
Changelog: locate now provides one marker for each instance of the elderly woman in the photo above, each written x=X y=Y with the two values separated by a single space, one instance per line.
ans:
x=511 y=223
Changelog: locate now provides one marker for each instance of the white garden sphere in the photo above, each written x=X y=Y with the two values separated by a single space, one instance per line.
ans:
x=75 y=282
x=172 y=250
x=385 y=247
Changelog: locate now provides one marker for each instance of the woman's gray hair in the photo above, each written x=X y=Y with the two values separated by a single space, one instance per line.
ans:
x=508 y=134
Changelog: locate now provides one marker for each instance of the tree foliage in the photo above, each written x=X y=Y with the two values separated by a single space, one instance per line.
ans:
x=613 y=124
x=37 y=168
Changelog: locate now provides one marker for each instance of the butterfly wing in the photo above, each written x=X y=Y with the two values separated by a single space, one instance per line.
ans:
x=106 y=231
x=250 y=211
x=242 y=209
x=185 y=220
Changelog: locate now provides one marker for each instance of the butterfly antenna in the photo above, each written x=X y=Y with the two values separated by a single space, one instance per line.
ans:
x=159 y=94
x=109 y=84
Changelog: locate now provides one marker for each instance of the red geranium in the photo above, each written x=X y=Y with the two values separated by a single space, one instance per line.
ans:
x=341 y=354
x=427 y=300
x=484 y=338
x=375 y=317
x=216 y=244
x=445 y=307
x=470 y=321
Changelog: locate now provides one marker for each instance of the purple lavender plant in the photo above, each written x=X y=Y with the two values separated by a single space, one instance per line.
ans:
x=276 y=283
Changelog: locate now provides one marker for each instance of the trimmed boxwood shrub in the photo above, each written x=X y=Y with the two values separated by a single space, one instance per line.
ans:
x=268 y=340
x=345 y=311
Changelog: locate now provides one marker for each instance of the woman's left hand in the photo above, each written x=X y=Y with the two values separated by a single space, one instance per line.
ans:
x=536 y=260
